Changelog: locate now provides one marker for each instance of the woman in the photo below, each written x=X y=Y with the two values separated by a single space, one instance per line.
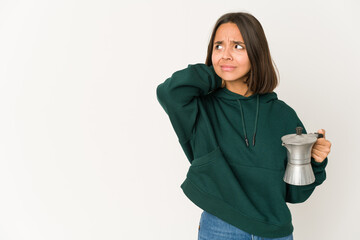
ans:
x=229 y=123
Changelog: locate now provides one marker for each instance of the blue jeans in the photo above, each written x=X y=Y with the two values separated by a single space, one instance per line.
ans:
x=214 y=228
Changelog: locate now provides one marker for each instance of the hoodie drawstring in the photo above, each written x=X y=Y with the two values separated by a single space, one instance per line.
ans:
x=243 y=122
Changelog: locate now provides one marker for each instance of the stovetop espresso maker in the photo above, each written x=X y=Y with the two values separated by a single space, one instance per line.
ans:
x=298 y=170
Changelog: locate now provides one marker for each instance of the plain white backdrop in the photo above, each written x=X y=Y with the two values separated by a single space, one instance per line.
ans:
x=87 y=152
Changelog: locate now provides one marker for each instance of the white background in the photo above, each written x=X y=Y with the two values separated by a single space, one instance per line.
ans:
x=87 y=152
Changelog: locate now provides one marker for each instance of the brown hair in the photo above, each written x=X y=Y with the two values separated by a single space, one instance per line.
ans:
x=262 y=77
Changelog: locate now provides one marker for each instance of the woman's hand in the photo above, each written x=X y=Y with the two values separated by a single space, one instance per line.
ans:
x=321 y=148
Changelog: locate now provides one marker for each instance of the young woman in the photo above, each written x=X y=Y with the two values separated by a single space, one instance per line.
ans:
x=229 y=122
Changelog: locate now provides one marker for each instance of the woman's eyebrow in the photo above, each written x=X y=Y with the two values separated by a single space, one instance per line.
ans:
x=236 y=42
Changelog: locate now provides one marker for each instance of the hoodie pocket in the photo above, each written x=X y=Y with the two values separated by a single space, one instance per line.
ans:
x=250 y=190
x=212 y=174
x=207 y=159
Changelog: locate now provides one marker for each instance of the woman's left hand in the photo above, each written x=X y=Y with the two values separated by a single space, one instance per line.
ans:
x=321 y=148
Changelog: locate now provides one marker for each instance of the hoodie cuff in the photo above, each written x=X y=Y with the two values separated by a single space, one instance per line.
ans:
x=218 y=80
x=318 y=164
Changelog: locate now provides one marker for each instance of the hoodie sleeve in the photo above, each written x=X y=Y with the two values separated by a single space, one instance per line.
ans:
x=299 y=194
x=179 y=95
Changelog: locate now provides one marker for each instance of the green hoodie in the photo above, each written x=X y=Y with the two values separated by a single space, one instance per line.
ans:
x=233 y=144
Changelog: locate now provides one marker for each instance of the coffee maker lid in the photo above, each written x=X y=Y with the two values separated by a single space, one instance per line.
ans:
x=299 y=138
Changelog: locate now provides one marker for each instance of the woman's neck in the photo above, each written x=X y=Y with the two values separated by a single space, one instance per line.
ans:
x=238 y=87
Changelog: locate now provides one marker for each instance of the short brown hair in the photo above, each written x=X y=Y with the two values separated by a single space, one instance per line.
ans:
x=262 y=77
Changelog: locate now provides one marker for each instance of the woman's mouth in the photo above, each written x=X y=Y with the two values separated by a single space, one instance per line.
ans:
x=227 y=68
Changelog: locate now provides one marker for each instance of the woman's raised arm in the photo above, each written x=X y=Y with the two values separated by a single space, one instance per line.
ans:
x=179 y=94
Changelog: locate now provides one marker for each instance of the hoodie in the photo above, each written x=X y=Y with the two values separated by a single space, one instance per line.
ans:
x=233 y=145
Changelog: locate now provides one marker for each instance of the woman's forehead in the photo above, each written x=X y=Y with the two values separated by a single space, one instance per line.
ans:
x=228 y=32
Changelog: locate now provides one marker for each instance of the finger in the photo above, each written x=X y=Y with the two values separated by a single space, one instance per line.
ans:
x=316 y=157
x=321 y=148
x=319 y=154
x=323 y=142
x=322 y=131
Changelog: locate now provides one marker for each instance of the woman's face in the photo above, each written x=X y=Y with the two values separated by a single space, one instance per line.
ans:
x=229 y=57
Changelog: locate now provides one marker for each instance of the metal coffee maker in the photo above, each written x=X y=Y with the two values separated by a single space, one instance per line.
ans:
x=298 y=170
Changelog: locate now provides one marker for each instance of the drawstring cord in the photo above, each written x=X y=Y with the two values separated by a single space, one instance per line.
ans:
x=243 y=122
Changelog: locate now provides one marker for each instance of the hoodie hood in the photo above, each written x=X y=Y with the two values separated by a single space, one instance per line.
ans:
x=225 y=93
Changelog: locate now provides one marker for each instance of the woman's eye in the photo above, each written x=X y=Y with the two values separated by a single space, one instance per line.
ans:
x=216 y=46
x=241 y=47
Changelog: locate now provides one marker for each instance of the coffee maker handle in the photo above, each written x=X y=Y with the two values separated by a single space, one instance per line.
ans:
x=319 y=135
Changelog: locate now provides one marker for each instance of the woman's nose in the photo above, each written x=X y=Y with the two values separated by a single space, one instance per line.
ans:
x=226 y=54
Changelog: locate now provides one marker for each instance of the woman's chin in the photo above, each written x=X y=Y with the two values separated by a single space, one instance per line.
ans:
x=232 y=77
x=227 y=78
